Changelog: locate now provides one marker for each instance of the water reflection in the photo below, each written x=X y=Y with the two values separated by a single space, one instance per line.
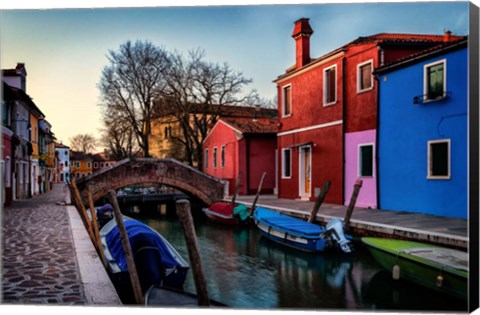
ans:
x=244 y=270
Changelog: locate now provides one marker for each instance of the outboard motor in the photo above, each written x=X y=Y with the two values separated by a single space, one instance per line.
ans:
x=334 y=229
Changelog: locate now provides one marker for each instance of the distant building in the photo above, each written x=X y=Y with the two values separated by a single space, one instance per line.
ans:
x=63 y=155
x=81 y=164
x=242 y=147
x=102 y=160
x=423 y=132
x=165 y=127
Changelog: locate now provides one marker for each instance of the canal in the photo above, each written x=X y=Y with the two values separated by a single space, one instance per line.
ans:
x=244 y=270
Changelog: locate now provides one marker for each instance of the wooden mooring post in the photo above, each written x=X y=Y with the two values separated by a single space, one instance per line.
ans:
x=132 y=269
x=318 y=202
x=96 y=231
x=353 y=200
x=258 y=192
x=237 y=186
x=183 y=212
x=82 y=210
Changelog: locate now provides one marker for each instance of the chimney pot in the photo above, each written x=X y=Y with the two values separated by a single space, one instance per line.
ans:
x=447 y=36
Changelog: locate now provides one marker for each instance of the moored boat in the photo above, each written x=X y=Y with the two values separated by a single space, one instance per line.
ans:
x=439 y=268
x=156 y=260
x=300 y=234
x=226 y=213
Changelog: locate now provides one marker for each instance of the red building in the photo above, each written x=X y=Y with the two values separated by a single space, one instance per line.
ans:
x=242 y=145
x=322 y=101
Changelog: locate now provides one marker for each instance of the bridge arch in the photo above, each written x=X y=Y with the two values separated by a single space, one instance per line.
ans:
x=169 y=172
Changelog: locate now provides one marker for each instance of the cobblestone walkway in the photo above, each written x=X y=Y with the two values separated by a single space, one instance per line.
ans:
x=38 y=259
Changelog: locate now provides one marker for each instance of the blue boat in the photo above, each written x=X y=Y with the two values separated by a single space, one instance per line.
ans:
x=156 y=260
x=300 y=234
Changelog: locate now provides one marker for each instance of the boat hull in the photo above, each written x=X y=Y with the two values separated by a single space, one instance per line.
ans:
x=290 y=231
x=230 y=220
x=422 y=271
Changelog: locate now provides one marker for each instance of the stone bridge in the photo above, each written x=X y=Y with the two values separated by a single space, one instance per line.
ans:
x=169 y=172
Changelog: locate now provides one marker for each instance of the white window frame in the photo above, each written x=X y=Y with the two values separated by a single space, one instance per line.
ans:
x=215 y=153
x=283 y=101
x=222 y=156
x=325 y=82
x=425 y=80
x=283 y=164
x=359 y=66
x=206 y=158
x=359 y=158
x=429 y=159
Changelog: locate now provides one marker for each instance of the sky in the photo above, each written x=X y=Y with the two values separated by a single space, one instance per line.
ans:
x=65 y=48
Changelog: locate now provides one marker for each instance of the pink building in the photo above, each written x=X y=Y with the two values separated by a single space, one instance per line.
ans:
x=243 y=146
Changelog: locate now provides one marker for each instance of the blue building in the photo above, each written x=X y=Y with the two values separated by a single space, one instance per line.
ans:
x=422 y=132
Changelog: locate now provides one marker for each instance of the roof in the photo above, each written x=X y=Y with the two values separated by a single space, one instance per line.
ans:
x=13 y=93
x=80 y=156
x=61 y=146
x=398 y=38
x=253 y=126
x=424 y=54
x=226 y=110
x=383 y=39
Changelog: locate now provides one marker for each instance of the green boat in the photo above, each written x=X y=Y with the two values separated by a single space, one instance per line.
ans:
x=441 y=269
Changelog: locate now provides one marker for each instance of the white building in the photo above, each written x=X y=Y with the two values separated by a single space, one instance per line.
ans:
x=63 y=158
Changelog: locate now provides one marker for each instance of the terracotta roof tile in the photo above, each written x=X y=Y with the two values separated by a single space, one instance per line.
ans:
x=249 y=125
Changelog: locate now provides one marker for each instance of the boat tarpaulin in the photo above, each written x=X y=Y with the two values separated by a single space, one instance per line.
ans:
x=139 y=235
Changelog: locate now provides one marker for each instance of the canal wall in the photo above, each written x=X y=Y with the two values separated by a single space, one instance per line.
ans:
x=443 y=231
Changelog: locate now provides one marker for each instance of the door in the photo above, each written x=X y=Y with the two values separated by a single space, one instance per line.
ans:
x=305 y=158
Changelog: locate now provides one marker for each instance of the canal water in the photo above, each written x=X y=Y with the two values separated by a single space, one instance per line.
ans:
x=245 y=270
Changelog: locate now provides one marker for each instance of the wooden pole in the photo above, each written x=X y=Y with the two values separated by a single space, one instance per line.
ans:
x=95 y=228
x=83 y=211
x=353 y=200
x=183 y=212
x=258 y=192
x=237 y=186
x=318 y=202
x=127 y=249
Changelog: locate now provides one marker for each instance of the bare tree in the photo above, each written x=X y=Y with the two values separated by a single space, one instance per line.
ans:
x=118 y=136
x=130 y=83
x=197 y=90
x=85 y=143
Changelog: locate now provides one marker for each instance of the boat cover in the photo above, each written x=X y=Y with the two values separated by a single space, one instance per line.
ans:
x=223 y=208
x=287 y=223
x=140 y=235
x=443 y=256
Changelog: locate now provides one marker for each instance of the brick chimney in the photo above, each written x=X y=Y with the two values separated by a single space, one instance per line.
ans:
x=447 y=36
x=301 y=34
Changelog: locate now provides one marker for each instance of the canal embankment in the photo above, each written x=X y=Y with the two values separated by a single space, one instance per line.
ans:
x=47 y=255
x=376 y=222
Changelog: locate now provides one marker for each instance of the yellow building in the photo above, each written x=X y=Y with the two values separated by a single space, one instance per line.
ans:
x=81 y=164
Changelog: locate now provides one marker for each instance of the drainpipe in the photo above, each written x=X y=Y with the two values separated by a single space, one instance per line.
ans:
x=344 y=116
x=377 y=180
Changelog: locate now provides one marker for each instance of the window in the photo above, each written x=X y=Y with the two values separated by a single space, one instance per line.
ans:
x=364 y=76
x=206 y=158
x=439 y=159
x=434 y=80
x=101 y=164
x=66 y=153
x=365 y=160
x=89 y=164
x=330 y=86
x=286 y=163
x=214 y=157
x=287 y=100
x=95 y=164
x=77 y=164
x=222 y=156
x=66 y=163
